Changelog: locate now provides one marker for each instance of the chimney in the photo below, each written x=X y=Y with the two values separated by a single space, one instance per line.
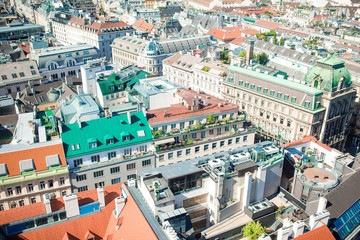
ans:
x=140 y=107
x=316 y=218
x=247 y=189
x=69 y=80
x=283 y=233
x=298 y=228
x=79 y=90
x=129 y=117
x=71 y=205
x=60 y=127
x=79 y=122
x=47 y=203
x=250 y=52
x=119 y=205
x=101 y=198
x=322 y=205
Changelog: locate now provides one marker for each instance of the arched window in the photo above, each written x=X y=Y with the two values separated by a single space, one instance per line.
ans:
x=316 y=83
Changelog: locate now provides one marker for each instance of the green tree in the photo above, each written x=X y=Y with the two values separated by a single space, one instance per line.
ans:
x=265 y=38
x=242 y=54
x=282 y=41
x=275 y=40
x=222 y=55
x=262 y=58
x=211 y=118
x=253 y=230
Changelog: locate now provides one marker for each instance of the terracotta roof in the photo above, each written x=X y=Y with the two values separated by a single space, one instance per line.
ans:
x=179 y=111
x=319 y=17
x=306 y=139
x=268 y=24
x=319 y=233
x=238 y=40
x=37 y=154
x=97 y=26
x=101 y=224
x=143 y=25
x=25 y=48
x=230 y=33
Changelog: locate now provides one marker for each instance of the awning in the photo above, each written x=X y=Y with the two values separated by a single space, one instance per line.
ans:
x=164 y=141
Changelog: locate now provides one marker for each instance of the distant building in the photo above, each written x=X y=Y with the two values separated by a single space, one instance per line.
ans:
x=194 y=72
x=110 y=150
x=156 y=92
x=72 y=30
x=284 y=110
x=148 y=55
x=15 y=76
x=58 y=62
x=15 y=31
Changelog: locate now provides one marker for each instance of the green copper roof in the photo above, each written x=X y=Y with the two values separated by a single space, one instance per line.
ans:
x=99 y=130
x=327 y=73
x=275 y=80
x=117 y=82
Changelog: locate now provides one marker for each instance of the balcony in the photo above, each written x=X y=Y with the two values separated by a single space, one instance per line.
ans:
x=175 y=131
x=184 y=143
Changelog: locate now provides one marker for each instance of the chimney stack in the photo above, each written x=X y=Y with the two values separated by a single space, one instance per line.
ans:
x=316 y=218
x=322 y=205
x=247 y=190
x=283 y=233
x=47 y=203
x=69 y=80
x=71 y=205
x=298 y=228
x=250 y=52
x=119 y=205
x=101 y=198
x=129 y=117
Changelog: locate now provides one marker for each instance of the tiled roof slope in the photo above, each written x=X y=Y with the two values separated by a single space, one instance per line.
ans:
x=99 y=129
x=344 y=195
x=306 y=139
x=320 y=233
x=38 y=154
x=101 y=224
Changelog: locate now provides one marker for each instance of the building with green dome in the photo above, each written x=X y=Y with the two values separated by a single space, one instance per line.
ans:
x=285 y=110
x=331 y=75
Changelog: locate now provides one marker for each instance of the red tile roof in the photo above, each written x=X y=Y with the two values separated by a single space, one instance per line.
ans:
x=101 y=224
x=320 y=233
x=142 y=25
x=306 y=139
x=268 y=24
x=179 y=111
x=37 y=154
x=319 y=17
x=238 y=40
x=230 y=33
x=25 y=48
x=95 y=25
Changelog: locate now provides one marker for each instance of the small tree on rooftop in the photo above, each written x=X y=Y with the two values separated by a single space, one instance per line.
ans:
x=211 y=118
x=253 y=230
x=262 y=58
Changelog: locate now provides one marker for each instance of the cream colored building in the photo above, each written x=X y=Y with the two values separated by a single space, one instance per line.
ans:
x=27 y=172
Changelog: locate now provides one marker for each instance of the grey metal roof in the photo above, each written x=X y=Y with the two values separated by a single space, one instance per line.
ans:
x=20 y=27
x=343 y=196
x=26 y=165
x=52 y=160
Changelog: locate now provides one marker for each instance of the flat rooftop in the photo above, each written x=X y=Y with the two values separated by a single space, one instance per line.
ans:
x=180 y=111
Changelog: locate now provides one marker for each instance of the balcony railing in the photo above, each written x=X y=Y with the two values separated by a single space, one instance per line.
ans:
x=183 y=143
x=199 y=127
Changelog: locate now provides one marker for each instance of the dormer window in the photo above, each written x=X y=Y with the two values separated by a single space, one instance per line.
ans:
x=125 y=136
x=77 y=146
x=92 y=143
x=111 y=88
x=109 y=139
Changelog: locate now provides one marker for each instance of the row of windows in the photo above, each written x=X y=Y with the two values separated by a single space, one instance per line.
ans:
x=14 y=75
x=279 y=95
x=30 y=187
x=113 y=170
x=102 y=184
x=204 y=148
